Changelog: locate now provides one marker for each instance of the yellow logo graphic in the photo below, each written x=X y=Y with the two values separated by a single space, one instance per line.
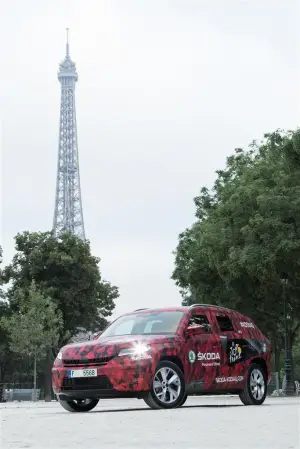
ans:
x=235 y=352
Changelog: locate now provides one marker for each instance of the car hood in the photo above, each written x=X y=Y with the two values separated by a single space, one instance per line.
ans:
x=110 y=346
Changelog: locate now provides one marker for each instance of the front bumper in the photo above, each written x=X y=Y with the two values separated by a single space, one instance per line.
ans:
x=117 y=378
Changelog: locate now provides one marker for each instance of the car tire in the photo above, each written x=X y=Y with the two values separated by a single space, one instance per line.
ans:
x=79 y=406
x=172 y=393
x=183 y=401
x=255 y=390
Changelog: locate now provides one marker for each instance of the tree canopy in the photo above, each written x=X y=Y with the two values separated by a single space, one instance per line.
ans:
x=246 y=237
x=37 y=325
x=4 y=311
x=63 y=270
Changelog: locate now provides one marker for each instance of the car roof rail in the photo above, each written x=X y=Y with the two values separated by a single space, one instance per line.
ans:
x=210 y=305
x=137 y=310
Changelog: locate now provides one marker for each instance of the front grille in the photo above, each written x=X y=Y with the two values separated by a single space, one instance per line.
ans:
x=86 y=383
x=86 y=362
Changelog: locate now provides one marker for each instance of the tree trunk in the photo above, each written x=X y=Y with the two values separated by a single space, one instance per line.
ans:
x=292 y=359
x=277 y=363
x=1 y=385
x=34 y=377
x=277 y=358
x=295 y=334
x=48 y=376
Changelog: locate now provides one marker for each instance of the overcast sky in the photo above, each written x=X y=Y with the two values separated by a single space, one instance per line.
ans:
x=167 y=89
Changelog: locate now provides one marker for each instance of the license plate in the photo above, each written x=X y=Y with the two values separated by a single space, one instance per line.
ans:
x=82 y=373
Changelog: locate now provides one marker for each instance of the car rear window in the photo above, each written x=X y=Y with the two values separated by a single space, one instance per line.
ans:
x=225 y=323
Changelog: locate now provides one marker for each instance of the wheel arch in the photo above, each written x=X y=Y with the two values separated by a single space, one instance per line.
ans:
x=262 y=363
x=173 y=358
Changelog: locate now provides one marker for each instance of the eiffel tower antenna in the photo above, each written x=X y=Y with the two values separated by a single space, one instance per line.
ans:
x=67 y=45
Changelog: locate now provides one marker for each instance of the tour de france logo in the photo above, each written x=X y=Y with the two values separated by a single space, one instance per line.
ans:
x=235 y=352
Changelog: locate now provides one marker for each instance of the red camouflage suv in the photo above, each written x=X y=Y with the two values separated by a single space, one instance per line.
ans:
x=165 y=355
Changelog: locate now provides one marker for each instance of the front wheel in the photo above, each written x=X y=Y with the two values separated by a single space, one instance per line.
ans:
x=168 y=387
x=84 y=405
x=183 y=401
x=255 y=390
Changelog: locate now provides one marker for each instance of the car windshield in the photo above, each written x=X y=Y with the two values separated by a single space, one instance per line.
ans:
x=145 y=324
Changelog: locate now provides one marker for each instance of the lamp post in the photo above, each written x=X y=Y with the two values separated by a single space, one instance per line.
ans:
x=289 y=387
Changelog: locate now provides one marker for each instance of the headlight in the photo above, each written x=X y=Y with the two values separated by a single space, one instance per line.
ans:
x=137 y=352
x=59 y=355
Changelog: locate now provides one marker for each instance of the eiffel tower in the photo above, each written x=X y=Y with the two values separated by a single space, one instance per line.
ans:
x=68 y=205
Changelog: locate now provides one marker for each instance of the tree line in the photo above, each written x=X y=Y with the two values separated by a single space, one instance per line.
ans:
x=243 y=249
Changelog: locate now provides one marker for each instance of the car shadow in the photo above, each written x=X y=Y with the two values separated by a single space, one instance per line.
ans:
x=143 y=409
x=184 y=407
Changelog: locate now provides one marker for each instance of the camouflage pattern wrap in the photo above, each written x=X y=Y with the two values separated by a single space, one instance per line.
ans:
x=211 y=359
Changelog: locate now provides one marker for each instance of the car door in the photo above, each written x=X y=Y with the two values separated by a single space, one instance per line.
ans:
x=231 y=370
x=203 y=350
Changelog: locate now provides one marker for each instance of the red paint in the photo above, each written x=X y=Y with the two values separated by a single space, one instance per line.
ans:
x=126 y=375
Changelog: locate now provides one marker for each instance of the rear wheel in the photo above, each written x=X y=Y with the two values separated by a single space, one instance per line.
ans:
x=168 y=387
x=79 y=405
x=255 y=390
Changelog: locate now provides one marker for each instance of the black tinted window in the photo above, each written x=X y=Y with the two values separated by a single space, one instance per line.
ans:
x=225 y=323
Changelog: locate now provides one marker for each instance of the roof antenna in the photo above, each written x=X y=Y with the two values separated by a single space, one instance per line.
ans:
x=67 y=46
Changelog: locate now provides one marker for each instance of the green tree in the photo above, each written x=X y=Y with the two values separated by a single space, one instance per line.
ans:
x=247 y=236
x=12 y=366
x=35 y=328
x=4 y=311
x=296 y=354
x=4 y=341
x=64 y=270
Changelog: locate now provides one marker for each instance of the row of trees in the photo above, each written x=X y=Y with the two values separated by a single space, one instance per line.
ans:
x=243 y=250
x=52 y=290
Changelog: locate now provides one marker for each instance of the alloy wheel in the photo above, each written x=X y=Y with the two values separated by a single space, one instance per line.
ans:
x=257 y=384
x=166 y=385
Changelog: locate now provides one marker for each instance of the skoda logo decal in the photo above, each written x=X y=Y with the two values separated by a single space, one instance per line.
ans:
x=192 y=357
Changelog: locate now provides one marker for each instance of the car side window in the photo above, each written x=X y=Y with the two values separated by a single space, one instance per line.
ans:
x=199 y=322
x=225 y=323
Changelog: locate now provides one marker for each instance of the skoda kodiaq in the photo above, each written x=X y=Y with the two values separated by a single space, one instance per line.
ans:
x=165 y=355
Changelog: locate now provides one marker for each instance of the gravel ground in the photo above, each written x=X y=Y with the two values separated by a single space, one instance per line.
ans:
x=208 y=423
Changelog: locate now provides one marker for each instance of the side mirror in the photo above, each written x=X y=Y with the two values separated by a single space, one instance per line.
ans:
x=96 y=335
